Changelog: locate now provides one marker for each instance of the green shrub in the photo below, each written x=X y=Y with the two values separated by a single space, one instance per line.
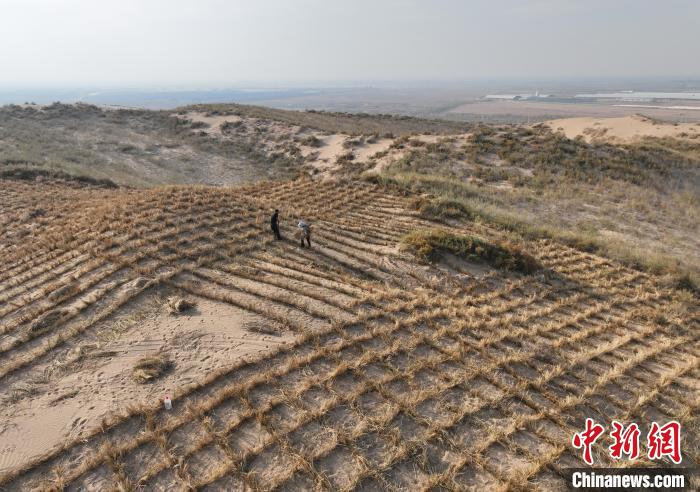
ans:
x=444 y=208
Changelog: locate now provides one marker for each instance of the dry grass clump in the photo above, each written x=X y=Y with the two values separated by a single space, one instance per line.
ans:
x=20 y=391
x=47 y=320
x=353 y=142
x=428 y=244
x=261 y=327
x=177 y=305
x=65 y=291
x=345 y=157
x=150 y=368
x=312 y=141
x=34 y=173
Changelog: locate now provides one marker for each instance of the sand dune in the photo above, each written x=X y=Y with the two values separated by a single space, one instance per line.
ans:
x=624 y=129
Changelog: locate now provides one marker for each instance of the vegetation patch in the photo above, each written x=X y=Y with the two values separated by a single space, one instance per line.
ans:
x=134 y=147
x=551 y=213
x=429 y=244
x=444 y=208
x=30 y=174
x=346 y=157
x=338 y=122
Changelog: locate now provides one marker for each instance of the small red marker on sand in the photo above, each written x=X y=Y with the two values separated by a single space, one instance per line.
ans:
x=167 y=402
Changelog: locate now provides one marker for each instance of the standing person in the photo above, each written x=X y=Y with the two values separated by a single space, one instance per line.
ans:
x=305 y=232
x=274 y=224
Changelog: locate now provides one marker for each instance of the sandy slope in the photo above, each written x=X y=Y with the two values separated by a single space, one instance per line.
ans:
x=98 y=382
x=381 y=358
x=365 y=152
x=624 y=129
x=214 y=122
x=279 y=135
x=322 y=158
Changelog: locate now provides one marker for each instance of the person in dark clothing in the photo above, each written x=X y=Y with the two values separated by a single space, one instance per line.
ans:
x=274 y=224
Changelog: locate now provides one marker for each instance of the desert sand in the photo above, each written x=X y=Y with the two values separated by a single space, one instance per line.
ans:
x=626 y=129
x=350 y=365
x=94 y=379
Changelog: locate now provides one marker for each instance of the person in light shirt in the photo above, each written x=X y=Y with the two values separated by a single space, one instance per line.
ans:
x=305 y=230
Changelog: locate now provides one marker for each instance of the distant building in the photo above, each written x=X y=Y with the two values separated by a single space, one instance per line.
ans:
x=509 y=97
x=517 y=97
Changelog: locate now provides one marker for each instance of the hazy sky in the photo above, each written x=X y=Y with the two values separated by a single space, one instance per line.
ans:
x=229 y=42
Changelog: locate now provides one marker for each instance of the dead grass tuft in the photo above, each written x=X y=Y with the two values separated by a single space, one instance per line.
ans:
x=177 y=305
x=261 y=327
x=150 y=368
x=46 y=321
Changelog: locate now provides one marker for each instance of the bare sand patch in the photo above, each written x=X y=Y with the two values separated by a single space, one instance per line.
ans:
x=206 y=338
x=623 y=129
x=387 y=160
x=393 y=154
x=331 y=147
x=214 y=122
x=368 y=150
x=429 y=138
